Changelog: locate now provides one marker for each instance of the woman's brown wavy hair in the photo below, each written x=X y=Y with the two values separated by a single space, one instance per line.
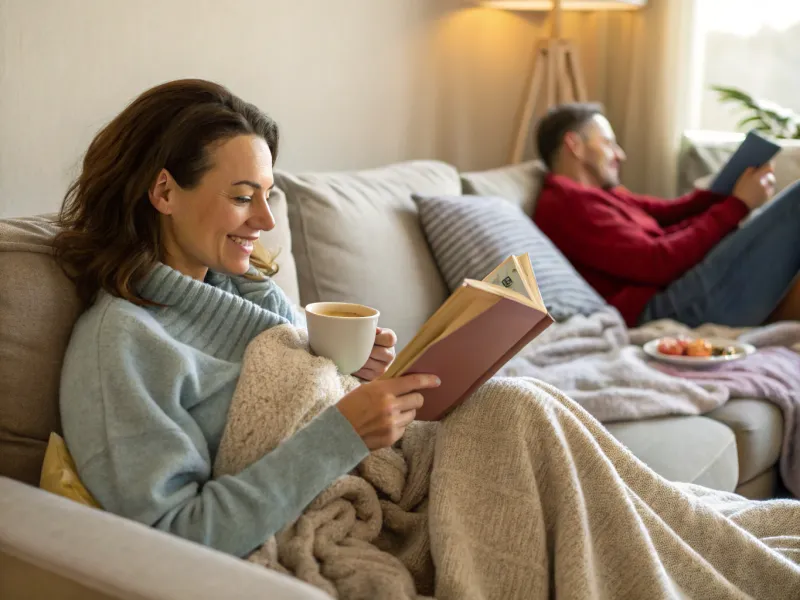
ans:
x=110 y=236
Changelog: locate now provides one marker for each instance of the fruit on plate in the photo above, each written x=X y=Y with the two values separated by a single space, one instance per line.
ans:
x=671 y=346
x=699 y=347
x=682 y=346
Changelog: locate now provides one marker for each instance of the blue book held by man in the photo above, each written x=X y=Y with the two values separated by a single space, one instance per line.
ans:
x=754 y=151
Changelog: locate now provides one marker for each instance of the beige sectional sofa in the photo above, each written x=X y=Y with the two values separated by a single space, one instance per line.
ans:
x=343 y=236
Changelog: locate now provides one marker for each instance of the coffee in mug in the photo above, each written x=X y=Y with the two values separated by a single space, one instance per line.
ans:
x=330 y=312
x=343 y=332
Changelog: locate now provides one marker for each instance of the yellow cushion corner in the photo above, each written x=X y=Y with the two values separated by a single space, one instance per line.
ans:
x=60 y=476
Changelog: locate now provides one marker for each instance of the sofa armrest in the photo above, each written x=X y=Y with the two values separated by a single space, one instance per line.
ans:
x=81 y=552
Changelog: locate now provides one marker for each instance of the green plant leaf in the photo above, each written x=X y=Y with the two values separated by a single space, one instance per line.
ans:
x=748 y=120
x=761 y=114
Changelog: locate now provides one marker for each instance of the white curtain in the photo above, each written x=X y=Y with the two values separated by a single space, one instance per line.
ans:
x=653 y=105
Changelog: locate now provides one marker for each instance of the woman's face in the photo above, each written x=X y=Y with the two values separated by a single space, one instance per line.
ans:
x=214 y=225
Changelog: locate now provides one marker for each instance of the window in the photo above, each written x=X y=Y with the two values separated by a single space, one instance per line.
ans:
x=753 y=45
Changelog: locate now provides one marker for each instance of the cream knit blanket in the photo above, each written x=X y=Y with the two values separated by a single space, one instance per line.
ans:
x=519 y=493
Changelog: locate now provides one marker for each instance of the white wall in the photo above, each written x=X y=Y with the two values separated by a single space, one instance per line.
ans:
x=352 y=83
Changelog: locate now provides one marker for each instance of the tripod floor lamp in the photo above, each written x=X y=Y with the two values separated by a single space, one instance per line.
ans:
x=556 y=76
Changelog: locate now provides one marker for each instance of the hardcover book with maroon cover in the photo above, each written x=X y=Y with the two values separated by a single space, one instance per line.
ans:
x=479 y=329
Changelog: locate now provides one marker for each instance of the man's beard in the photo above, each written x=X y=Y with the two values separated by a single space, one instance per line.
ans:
x=605 y=180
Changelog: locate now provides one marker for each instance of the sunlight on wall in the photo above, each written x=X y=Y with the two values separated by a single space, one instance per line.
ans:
x=492 y=37
x=478 y=62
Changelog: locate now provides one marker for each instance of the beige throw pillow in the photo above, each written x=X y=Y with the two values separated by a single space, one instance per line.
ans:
x=356 y=237
x=520 y=184
x=279 y=241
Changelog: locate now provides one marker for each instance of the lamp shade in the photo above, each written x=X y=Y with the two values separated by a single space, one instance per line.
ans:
x=566 y=4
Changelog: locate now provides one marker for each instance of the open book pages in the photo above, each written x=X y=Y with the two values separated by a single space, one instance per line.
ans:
x=512 y=280
x=516 y=274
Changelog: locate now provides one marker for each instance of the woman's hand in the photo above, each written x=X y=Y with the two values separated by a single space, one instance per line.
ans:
x=381 y=357
x=380 y=411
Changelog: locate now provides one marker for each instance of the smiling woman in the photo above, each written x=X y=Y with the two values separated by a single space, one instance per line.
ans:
x=214 y=224
x=178 y=148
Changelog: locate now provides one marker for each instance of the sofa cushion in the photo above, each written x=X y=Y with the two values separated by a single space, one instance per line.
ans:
x=38 y=306
x=685 y=449
x=356 y=237
x=279 y=241
x=520 y=184
x=758 y=427
x=471 y=235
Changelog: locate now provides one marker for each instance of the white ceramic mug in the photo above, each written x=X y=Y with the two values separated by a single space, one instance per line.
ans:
x=343 y=332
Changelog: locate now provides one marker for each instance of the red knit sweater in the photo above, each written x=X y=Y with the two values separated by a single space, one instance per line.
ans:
x=627 y=246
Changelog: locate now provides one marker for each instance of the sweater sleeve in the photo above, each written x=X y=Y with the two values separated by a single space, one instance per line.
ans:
x=144 y=457
x=669 y=212
x=594 y=235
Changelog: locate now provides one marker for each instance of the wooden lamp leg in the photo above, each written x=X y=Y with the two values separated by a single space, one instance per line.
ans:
x=540 y=67
x=556 y=68
x=575 y=75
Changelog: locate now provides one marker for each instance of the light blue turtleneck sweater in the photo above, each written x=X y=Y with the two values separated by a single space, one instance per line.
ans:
x=145 y=394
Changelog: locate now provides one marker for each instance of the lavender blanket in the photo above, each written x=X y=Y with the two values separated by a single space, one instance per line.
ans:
x=597 y=361
x=771 y=374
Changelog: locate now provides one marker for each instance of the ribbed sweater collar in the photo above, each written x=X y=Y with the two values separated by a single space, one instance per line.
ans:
x=210 y=315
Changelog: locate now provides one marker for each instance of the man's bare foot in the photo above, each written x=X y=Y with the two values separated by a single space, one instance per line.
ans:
x=789 y=308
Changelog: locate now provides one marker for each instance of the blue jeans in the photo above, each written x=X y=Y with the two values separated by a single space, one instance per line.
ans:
x=742 y=280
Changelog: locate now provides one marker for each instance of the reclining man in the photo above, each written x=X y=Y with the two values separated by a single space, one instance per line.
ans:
x=686 y=259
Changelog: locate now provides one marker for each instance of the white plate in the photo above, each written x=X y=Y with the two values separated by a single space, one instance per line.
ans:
x=742 y=350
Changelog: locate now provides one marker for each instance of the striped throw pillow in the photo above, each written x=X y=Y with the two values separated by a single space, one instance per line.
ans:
x=470 y=235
